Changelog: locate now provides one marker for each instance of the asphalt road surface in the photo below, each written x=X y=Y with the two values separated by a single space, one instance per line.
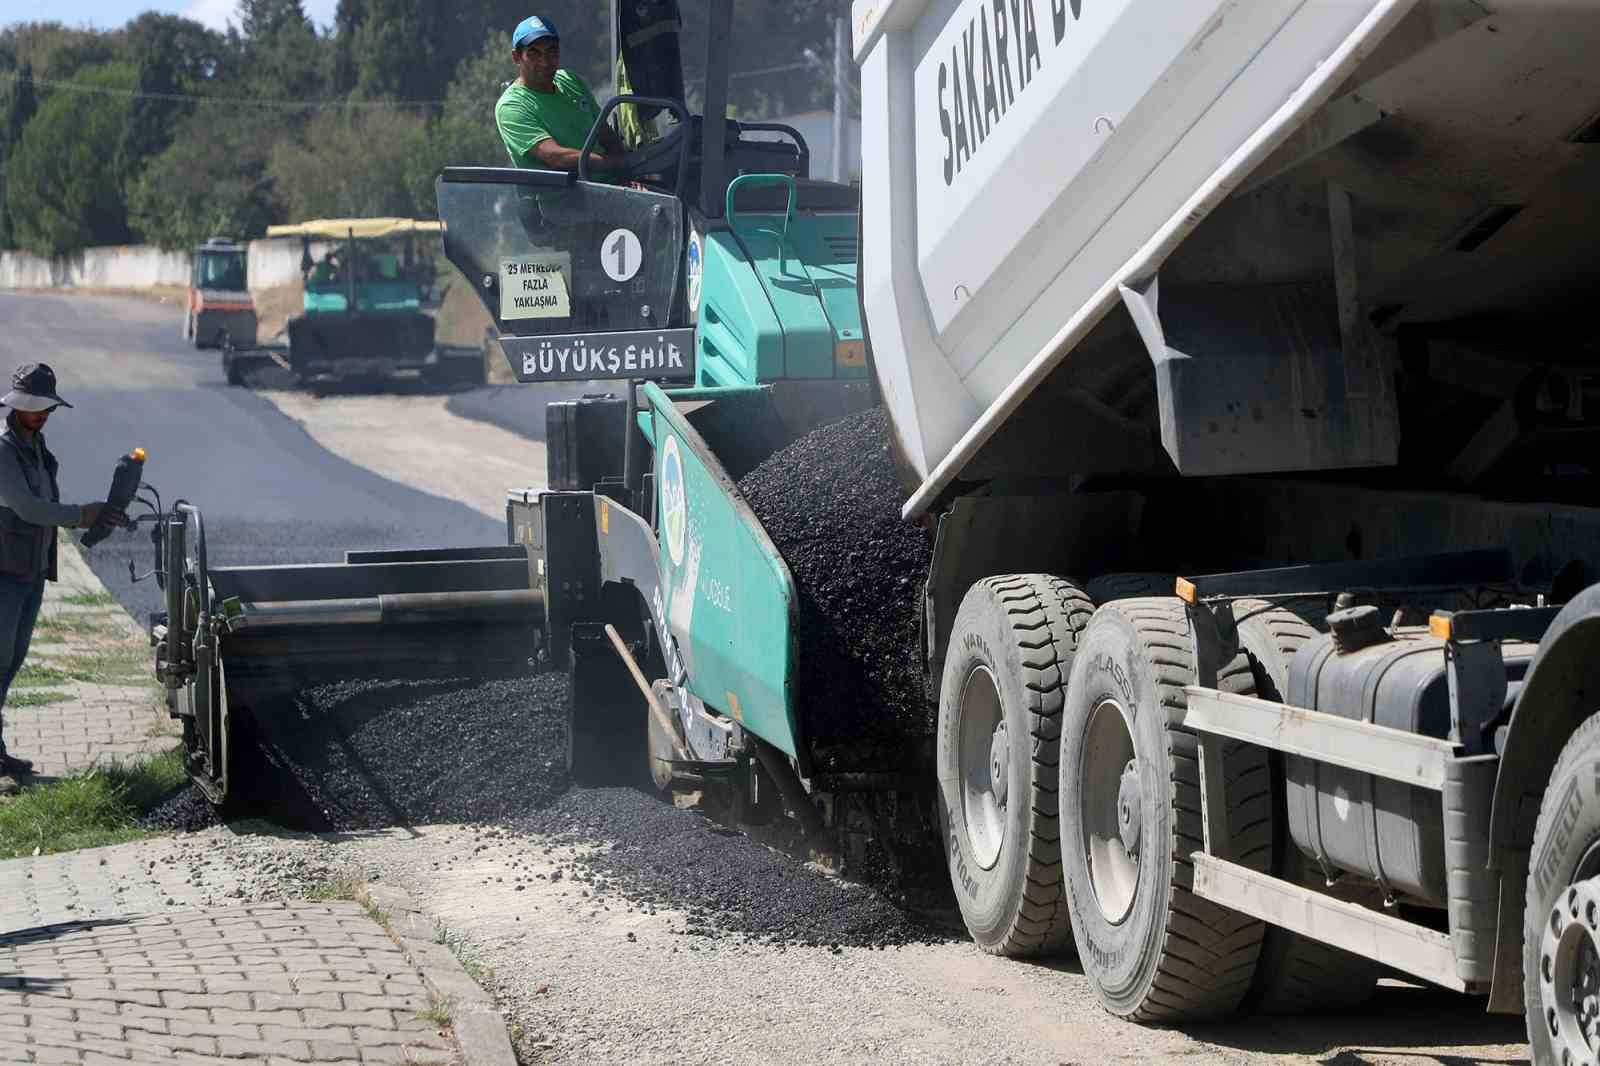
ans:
x=269 y=492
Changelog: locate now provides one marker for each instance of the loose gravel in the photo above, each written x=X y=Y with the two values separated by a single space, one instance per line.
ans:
x=255 y=869
x=185 y=811
x=831 y=503
x=657 y=855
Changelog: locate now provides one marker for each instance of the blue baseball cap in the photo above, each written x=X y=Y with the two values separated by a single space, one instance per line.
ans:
x=532 y=29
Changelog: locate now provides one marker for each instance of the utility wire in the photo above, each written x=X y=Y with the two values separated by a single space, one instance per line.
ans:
x=257 y=101
x=248 y=101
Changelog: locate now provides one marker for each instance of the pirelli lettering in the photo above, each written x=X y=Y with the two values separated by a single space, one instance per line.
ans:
x=992 y=63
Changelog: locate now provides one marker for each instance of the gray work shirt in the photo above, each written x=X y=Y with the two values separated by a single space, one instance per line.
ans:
x=17 y=495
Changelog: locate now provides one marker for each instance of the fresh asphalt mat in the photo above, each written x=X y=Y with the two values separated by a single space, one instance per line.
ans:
x=370 y=754
x=520 y=409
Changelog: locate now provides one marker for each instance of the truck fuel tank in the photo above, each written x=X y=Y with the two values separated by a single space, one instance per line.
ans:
x=1380 y=829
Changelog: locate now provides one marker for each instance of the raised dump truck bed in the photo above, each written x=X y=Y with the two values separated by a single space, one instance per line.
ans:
x=1270 y=196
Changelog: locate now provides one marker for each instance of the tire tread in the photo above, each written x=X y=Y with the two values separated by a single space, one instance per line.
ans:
x=1206 y=955
x=1046 y=614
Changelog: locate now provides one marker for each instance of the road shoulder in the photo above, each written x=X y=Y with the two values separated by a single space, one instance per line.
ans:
x=417 y=442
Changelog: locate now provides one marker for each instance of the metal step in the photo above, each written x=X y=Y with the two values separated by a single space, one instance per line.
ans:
x=1407 y=947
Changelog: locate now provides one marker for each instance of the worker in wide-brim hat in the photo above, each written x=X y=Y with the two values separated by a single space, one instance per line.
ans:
x=30 y=512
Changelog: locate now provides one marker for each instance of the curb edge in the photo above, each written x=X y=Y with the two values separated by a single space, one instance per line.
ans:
x=479 y=1028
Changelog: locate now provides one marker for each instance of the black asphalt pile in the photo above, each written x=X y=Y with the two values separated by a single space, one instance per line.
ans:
x=185 y=811
x=730 y=886
x=370 y=754
x=831 y=503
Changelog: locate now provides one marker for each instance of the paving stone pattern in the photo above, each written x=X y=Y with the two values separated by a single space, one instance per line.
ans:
x=263 y=983
x=97 y=722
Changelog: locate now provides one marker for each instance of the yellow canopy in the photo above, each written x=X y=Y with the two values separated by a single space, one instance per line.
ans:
x=332 y=229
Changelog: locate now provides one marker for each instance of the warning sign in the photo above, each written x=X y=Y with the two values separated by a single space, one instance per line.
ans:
x=535 y=286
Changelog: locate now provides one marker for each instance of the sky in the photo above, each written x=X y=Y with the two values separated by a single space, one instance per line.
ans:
x=110 y=14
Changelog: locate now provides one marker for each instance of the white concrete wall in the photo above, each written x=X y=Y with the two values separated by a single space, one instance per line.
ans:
x=121 y=267
x=277 y=261
x=22 y=271
x=272 y=263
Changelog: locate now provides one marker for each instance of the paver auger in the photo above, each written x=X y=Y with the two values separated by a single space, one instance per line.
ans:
x=715 y=282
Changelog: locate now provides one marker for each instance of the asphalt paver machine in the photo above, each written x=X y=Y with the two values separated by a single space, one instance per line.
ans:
x=368 y=307
x=714 y=284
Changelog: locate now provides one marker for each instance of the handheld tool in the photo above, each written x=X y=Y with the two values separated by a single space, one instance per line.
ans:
x=125 y=482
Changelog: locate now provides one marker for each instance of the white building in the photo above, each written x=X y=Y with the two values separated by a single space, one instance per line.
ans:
x=817 y=128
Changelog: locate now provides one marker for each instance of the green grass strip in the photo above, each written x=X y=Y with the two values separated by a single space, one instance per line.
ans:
x=100 y=806
x=63 y=623
x=90 y=599
x=37 y=698
x=110 y=668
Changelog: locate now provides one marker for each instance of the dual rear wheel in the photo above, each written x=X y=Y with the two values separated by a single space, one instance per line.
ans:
x=1070 y=792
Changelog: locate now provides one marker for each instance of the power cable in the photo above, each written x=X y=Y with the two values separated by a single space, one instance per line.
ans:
x=247 y=101
x=257 y=101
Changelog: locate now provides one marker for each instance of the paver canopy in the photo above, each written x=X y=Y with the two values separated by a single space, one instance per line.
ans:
x=361 y=229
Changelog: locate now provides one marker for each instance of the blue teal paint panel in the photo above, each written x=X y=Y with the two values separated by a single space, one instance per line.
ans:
x=727 y=598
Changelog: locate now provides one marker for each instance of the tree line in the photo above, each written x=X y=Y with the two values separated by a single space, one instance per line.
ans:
x=167 y=132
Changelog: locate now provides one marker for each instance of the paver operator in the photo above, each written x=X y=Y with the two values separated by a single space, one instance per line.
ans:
x=545 y=115
x=30 y=511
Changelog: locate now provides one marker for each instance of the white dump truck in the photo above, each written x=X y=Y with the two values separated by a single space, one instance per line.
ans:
x=1242 y=356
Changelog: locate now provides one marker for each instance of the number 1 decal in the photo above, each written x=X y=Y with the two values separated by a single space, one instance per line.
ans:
x=621 y=255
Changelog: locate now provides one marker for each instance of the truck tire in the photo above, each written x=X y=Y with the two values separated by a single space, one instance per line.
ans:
x=1000 y=702
x=1109 y=587
x=1130 y=818
x=1296 y=974
x=607 y=720
x=1562 y=899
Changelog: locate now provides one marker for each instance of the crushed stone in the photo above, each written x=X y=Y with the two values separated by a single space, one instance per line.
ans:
x=731 y=886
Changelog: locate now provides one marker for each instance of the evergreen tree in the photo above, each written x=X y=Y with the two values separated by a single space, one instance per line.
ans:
x=268 y=20
x=347 y=23
x=281 y=55
x=152 y=114
x=61 y=195
x=24 y=104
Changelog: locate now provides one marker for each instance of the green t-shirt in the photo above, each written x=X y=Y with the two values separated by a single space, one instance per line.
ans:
x=526 y=117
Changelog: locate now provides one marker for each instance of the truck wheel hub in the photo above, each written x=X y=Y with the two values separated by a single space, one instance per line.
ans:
x=985 y=757
x=1130 y=810
x=1569 y=972
x=1111 y=809
x=999 y=760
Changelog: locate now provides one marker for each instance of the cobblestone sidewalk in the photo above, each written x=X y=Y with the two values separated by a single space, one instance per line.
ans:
x=268 y=984
x=86 y=693
x=164 y=950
